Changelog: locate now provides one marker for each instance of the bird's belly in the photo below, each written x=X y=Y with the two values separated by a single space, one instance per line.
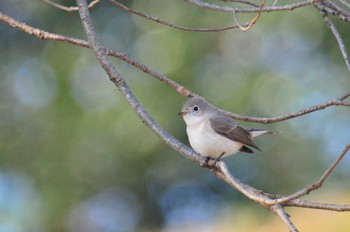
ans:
x=207 y=142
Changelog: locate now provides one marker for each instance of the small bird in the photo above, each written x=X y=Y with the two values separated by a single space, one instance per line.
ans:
x=213 y=134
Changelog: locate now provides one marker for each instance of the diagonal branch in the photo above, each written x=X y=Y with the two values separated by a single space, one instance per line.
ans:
x=41 y=34
x=160 y=21
x=279 y=210
x=272 y=202
x=338 y=38
x=330 y=8
x=120 y=83
x=122 y=86
x=318 y=184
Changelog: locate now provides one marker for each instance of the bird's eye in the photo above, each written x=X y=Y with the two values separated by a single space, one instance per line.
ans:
x=195 y=108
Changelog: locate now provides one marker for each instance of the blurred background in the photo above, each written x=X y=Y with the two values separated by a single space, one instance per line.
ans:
x=74 y=157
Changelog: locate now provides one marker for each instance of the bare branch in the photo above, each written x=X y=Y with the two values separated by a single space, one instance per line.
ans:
x=317 y=184
x=320 y=182
x=330 y=8
x=211 y=6
x=339 y=40
x=41 y=34
x=273 y=202
x=120 y=83
x=243 y=2
x=157 y=20
x=224 y=174
x=335 y=102
x=252 y=22
x=278 y=209
x=301 y=203
x=276 y=202
x=316 y=205
x=69 y=8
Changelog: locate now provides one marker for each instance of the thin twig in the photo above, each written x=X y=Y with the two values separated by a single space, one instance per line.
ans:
x=41 y=34
x=119 y=81
x=163 y=22
x=339 y=40
x=243 y=2
x=275 y=202
x=301 y=203
x=267 y=199
x=335 y=102
x=252 y=22
x=222 y=171
x=229 y=9
x=318 y=183
x=69 y=8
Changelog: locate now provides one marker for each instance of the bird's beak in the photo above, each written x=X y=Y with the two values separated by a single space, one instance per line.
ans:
x=182 y=113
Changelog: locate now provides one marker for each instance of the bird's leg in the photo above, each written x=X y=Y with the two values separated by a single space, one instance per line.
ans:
x=206 y=162
x=220 y=156
x=218 y=159
x=212 y=164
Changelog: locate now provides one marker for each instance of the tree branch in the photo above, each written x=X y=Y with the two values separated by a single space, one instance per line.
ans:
x=278 y=210
x=120 y=83
x=316 y=205
x=243 y=2
x=335 y=102
x=338 y=38
x=69 y=8
x=330 y=8
x=275 y=203
x=163 y=22
x=229 y=9
x=317 y=184
x=41 y=34
x=327 y=6
x=252 y=22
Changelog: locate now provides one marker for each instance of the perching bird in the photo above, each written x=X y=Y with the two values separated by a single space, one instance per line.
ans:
x=213 y=134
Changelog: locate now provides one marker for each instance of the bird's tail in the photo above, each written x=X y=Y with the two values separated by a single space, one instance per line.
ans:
x=257 y=132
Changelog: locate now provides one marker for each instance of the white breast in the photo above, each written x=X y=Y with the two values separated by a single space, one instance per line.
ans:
x=206 y=141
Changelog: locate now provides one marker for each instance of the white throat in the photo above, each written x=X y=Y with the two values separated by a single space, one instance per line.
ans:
x=193 y=120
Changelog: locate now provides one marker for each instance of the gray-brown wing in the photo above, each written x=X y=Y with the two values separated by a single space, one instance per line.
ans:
x=225 y=126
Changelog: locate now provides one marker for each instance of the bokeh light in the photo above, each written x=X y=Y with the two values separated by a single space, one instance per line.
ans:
x=75 y=157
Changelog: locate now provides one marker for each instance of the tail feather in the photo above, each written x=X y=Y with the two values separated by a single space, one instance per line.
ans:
x=257 y=132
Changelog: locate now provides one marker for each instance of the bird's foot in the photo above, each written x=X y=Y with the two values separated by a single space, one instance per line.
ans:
x=211 y=162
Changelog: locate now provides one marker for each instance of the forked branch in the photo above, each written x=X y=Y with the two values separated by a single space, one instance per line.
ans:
x=41 y=34
x=275 y=203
